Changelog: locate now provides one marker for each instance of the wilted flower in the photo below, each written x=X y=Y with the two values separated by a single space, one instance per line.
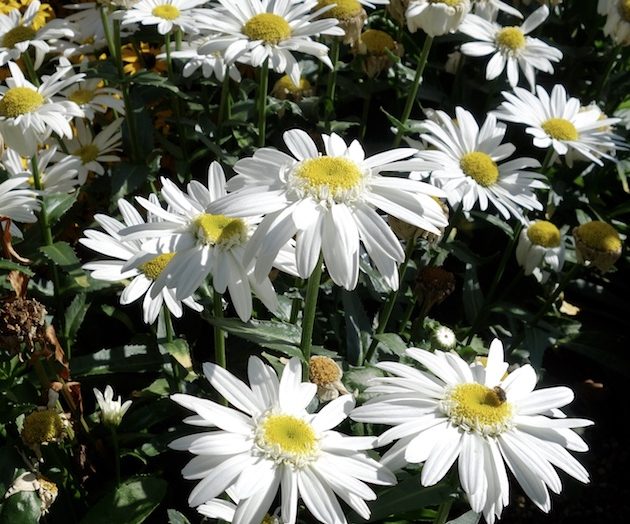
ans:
x=22 y=321
x=540 y=249
x=284 y=88
x=28 y=481
x=433 y=285
x=326 y=374
x=42 y=427
x=112 y=411
x=376 y=48
x=350 y=14
x=597 y=243
x=436 y=17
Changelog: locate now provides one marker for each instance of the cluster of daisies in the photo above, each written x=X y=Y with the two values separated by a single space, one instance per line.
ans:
x=317 y=201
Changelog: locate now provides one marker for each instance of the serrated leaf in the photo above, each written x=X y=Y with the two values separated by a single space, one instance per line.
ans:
x=57 y=206
x=62 y=254
x=126 y=359
x=180 y=351
x=131 y=502
x=75 y=313
x=9 y=265
x=261 y=331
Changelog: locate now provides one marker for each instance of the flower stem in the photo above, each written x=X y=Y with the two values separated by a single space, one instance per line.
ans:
x=310 y=308
x=550 y=300
x=329 y=100
x=30 y=69
x=390 y=303
x=219 y=334
x=224 y=109
x=296 y=303
x=411 y=97
x=443 y=511
x=367 y=101
x=262 y=102
x=116 y=453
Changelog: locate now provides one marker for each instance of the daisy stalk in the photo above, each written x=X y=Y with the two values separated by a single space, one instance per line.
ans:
x=219 y=334
x=332 y=84
x=310 y=308
x=262 y=101
x=411 y=98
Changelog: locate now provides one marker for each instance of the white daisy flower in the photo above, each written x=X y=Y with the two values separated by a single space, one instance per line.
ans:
x=204 y=243
x=210 y=64
x=436 y=17
x=167 y=15
x=480 y=417
x=328 y=202
x=271 y=442
x=29 y=114
x=60 y=176
x=617 y=14
x=489 y=9
x=112 y=411
x=17 y=34
x=559 y=121
x=511 y=46
x=94 y=151
x=143 y=276
x=253 y=31
x=540 y=249
x=468 y=167
x=18 y=201
x=93 y=97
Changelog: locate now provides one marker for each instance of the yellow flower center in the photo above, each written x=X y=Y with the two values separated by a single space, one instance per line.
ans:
x=323 y=370
x=480 y=167
x=450 y=3
x=268 y=27
x=17 y=35
x=82 y=96
x=476 y=407
x=511 y=38
x=88 y=153
x=154 y=267
x=285 y=82
x=268 y=519
x=624 y=9
x=19 y=101
x=287 y=439
x=560 y=129
x=166 y=12
x=42 y=426
x=377 y=42
x=342 y=10
x=220 y=230
x=328 y=176
x=544 y=233
x=599 y=236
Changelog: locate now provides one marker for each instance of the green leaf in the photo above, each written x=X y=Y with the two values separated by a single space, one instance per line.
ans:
x=175 y=517
x=357 y=325
x=21 y=508
x=13 y=266
x=180 y=351
x=407 y=497
x=132 y=502
x=62 y=254
x=126 y=359
x=261 y=332
x=393 y=342
x=126 y=178
x=470 y=517
x=57 y=206
x=75 y=313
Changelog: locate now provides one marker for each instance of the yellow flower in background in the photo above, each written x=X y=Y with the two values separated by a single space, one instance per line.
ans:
x=44 y=13
x=143 y=58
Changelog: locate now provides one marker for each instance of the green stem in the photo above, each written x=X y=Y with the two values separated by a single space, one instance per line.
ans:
x=169 y=60
x=310 y=308
x=262 y=102
x=366 y=112
x=178 y=39
x=411 y=98
x=545 y=307
x=47 y=236
x=296 y=303
x=547 y=161
x=390 y=303
x=223 y=104
x=407 y=313
x=219 y=334
x=116 y=453
x=483 y=313
x=443 y=511
x=329 y=100
x=30 y=69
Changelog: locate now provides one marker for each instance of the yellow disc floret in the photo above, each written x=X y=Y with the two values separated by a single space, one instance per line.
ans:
x=624 y=9
x=328 y=176
x=377 y=42
x=342 y=10
x=286 y=84
x=268 y=27
x=450 y=3
x=41 y=427
x=82 y=96
x=19 y=101
x=220 y=230
x=599 y=236
x=154 y=267
x=480 y=167
x=560 y=129
x=511 y=38
x=287 y=439
x=544 y=233
x=476 y=407
x=87 y=153
x=16 y=35
x=323 y=370
x=166 y=12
